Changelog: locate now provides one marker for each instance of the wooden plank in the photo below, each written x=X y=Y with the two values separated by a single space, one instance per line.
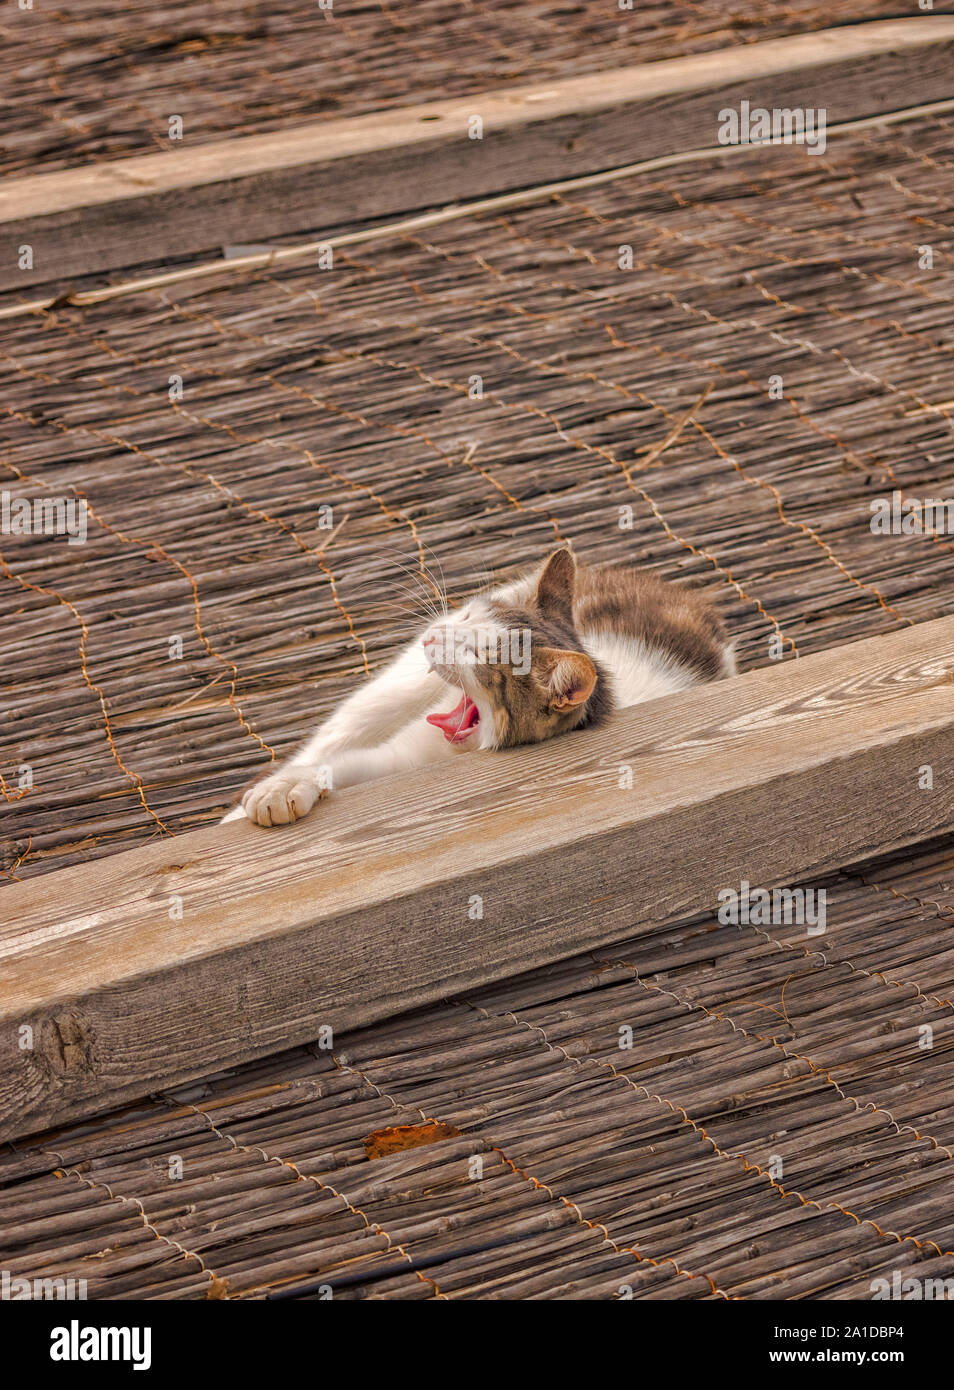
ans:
x=367 y=908
x=331 y=173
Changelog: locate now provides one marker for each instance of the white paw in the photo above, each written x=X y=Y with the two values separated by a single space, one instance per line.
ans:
x=237 y=813
x=282 y=798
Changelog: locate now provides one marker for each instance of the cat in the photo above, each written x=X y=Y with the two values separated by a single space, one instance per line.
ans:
x=554 y=650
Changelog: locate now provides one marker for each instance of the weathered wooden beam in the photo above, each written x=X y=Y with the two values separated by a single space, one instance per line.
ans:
x=328 y=174
x=159 y=965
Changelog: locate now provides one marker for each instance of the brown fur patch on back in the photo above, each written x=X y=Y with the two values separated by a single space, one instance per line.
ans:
x=629 y=602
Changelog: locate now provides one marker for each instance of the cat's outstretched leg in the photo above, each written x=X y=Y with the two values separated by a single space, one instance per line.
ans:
x=291 y=793
x=403 y=692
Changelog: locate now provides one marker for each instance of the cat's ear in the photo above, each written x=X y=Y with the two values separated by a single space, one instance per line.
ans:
x=555 y=587
x=569 y=677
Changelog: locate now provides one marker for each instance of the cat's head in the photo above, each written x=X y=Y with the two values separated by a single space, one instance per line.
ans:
x=519 y=665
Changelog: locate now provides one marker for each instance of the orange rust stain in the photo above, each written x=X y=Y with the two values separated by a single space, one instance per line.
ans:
x=394 y=1139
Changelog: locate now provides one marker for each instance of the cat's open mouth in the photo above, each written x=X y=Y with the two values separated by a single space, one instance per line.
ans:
x=459 y=723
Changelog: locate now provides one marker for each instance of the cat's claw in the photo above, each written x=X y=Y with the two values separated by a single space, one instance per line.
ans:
x=281 y=798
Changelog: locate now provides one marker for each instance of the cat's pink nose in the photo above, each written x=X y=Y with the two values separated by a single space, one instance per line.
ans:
x=435 y=643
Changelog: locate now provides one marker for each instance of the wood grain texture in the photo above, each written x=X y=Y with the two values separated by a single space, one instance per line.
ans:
x=335 y=172
x=245 y=73
x=363 y=910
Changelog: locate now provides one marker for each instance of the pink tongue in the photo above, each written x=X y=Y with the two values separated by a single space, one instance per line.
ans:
x=459 y=722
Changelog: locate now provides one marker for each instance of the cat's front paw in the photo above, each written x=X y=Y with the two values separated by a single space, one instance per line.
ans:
x=282 y=798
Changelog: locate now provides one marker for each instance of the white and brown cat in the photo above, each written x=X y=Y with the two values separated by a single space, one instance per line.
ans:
x=555 y=650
